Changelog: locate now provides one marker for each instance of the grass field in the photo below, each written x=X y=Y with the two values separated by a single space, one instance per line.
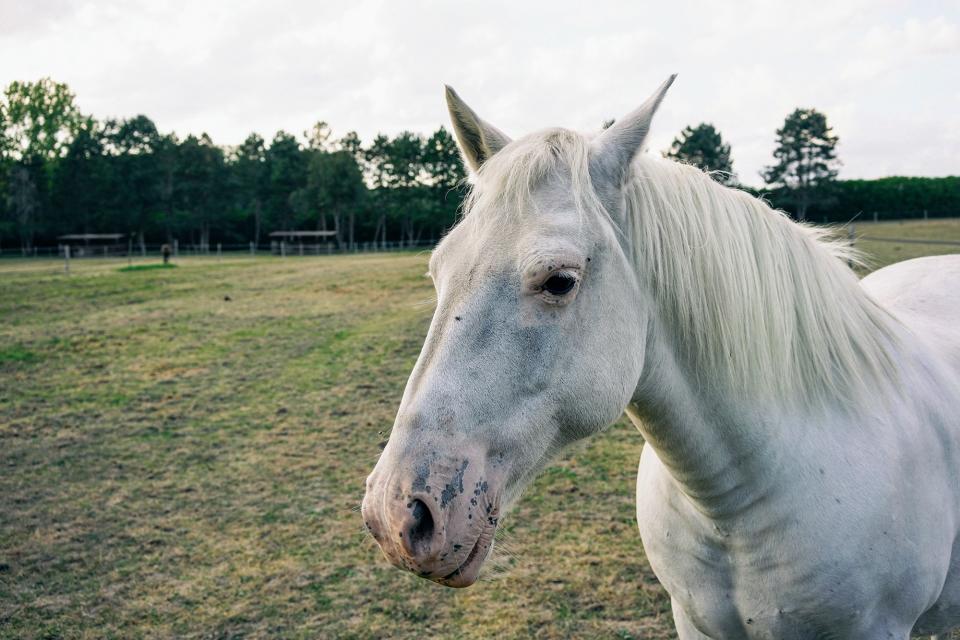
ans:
x=182 y=453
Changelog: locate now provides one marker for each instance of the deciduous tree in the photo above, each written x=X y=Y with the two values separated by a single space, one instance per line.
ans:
x=39 y=121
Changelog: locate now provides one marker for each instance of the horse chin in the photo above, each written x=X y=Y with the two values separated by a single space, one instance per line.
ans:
x=469 y=571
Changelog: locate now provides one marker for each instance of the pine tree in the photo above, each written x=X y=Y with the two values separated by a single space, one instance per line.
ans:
x=806 y=160
x=702 y=146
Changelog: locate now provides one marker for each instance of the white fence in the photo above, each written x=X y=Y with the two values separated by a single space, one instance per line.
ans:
x=177 y=249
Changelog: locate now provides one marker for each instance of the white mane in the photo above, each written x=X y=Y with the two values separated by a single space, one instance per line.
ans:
x=755 y=302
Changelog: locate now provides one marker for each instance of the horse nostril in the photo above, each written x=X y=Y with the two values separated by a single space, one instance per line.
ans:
x=421 y=531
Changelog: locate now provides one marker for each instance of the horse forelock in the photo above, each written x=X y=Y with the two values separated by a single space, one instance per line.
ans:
x=507 y=183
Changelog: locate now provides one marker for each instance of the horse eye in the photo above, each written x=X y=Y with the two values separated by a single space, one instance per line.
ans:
x=559 y=284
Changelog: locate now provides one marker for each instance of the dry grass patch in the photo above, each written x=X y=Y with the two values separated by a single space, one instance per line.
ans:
x=180 y=464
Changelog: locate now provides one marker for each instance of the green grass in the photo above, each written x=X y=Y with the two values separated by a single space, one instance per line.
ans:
x=148 y=267
x=888 y=252
x=182 y=454
x=16 y=353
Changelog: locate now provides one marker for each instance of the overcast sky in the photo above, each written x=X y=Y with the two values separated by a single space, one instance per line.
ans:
x=887 y=74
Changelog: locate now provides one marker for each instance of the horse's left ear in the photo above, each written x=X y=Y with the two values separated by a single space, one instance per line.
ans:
x=478 y=139
x=613 y=150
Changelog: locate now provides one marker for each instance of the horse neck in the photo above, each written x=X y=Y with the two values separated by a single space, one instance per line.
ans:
x=718 y=445
x=756 y=330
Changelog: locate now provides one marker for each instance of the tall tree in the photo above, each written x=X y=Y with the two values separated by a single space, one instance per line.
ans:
x=446 y=180
x=288 y=168
x=442 y=162
x=23 y=202
x=252 y=174
x=134 y=144
x=7 y=143
x=703 y=147
x=375 y=174
x=402 y=171
x=39 y=121
x=375 y=162
x=7 y=225
x=319 y=137
x=404 y=160
x=806 y=160
x=82 y=182
x=200 y=187
x=335 y=183
x=350 y=143
x=167 y=161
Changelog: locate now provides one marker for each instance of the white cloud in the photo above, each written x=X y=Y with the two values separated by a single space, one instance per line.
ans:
x=884 y=71
x=885 y=48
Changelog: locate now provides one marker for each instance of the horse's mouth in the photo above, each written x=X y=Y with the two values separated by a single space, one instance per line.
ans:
x=469 y=570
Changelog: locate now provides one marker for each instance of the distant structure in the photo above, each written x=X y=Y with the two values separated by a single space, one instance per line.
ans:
x=301 y=242
x=94 y=244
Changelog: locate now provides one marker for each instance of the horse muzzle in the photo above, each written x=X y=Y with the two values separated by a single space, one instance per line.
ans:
x=435 y=517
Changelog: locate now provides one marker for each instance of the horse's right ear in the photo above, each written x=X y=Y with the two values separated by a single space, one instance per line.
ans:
x=478 y=140
x=615 y=148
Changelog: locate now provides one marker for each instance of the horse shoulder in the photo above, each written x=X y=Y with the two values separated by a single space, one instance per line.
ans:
x=719 y=571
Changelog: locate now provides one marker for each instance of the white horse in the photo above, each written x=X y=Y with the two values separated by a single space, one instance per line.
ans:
x=801 y=477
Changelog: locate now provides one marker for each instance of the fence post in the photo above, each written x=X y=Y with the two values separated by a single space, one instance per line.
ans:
x=66 y=258
x=176 y=247
x=218 y=252
x=924 y=214
x=283 y=248
x=874 y=216
x=253 y=250
x=143 y=249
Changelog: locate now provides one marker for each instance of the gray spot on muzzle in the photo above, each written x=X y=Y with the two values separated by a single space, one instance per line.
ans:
x=422 y=474
x=454 y=487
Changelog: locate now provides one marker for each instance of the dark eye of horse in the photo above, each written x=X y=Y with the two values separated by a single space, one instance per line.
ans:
x=559 y=284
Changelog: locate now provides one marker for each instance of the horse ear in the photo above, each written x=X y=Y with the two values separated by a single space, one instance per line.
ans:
x=615 y=148
x=478 y=140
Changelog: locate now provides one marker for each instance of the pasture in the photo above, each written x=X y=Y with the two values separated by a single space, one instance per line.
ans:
x=183 y=454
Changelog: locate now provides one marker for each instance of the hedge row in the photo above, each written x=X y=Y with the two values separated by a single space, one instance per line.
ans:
x=884 y=198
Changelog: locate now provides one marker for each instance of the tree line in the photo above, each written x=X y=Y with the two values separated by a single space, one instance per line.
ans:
x=802 y=180
x=64 y=172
